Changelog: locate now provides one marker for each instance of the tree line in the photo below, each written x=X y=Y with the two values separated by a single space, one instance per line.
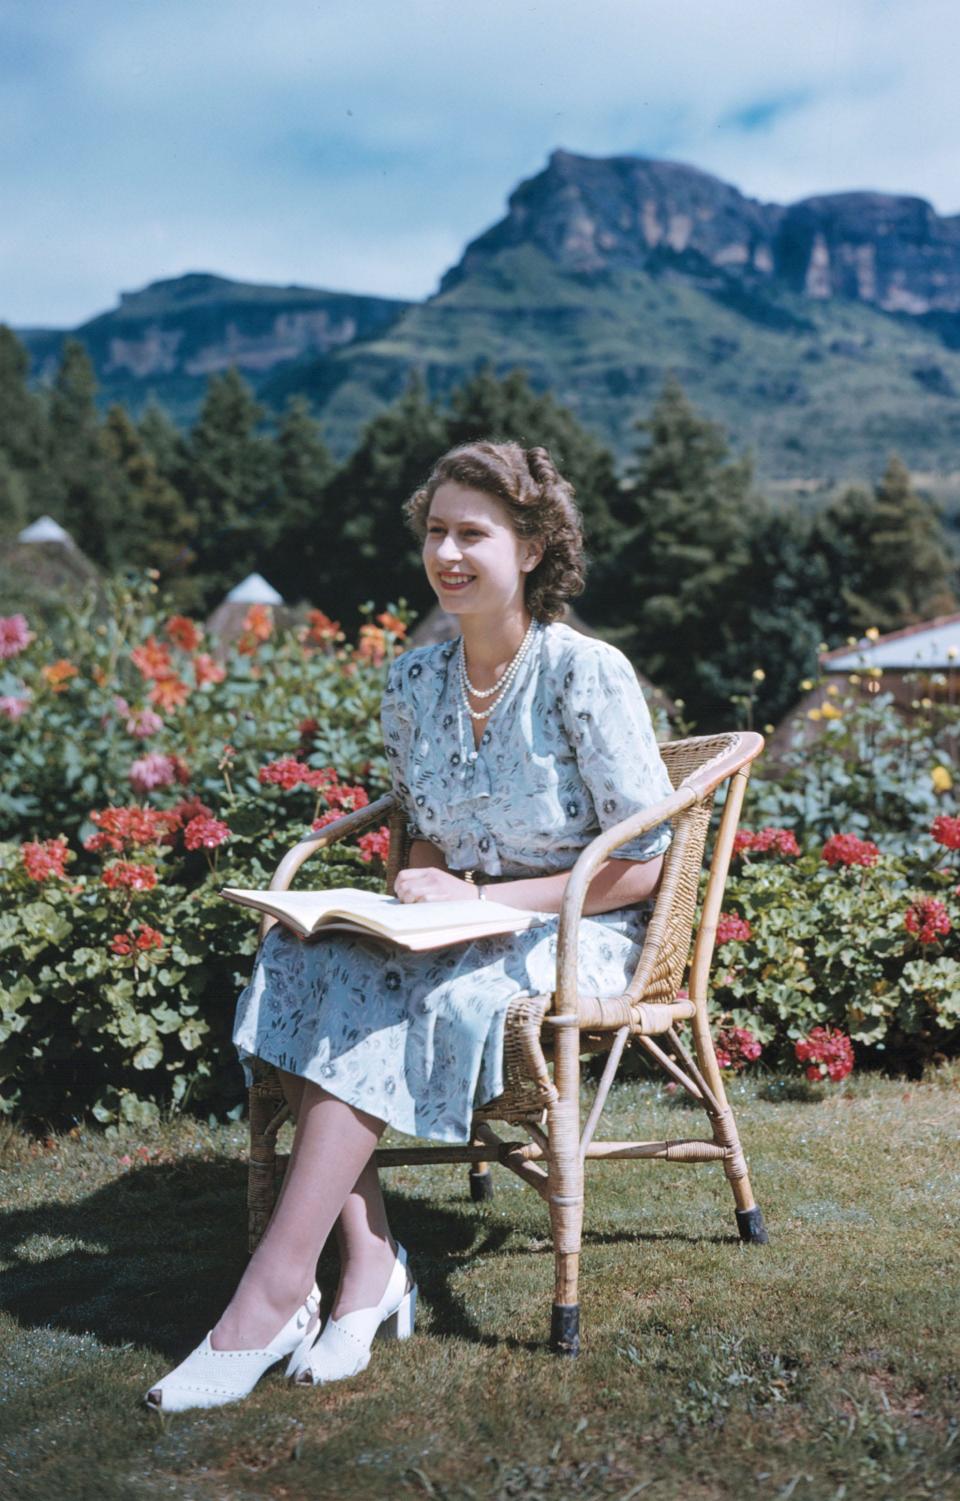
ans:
x=715 y=591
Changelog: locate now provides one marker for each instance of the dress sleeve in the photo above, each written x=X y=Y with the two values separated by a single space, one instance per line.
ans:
x=397 y=726
x=609 y=726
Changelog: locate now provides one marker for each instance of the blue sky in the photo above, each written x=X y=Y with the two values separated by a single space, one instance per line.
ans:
x=359 y=144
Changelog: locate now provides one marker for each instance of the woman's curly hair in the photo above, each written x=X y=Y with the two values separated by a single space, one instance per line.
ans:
x=539 y=502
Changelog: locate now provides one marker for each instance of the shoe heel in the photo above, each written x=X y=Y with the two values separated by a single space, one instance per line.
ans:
x=400 y=1324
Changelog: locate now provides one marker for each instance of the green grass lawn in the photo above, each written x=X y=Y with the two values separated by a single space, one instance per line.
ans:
x=825 y=1365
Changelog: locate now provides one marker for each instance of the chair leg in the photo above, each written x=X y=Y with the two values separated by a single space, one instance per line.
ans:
x=565 y=1192
x=481 y=1178
x=750 y=1225
x=267 y=1110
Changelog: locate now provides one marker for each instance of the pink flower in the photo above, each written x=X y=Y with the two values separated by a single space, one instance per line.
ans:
x=848 y=849
x=375 y=845
x=45 y=858
x=13 y=707
x=736 y=1047
x=733 y=929
x=143 y=723
x=15 y=635
x=153 y=770
x=782 y=841
x=827 y=1052
x=286 y=773
x=928 y=919
x=207 y=670
x=205 y=833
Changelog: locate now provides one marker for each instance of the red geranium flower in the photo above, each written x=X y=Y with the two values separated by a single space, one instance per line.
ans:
x=375 y=845
x=347 y=799
x=127 y=828
x=848 y=849
x=733 y=929
x=184 y=632
x=946 y=831
x=286 y=773
x=927 y=918
x=736 y=1047
x=124 y=875
x=782 y=841
x=205 y=833
x=152 y=658
x=45 y=858
x=827 y=1052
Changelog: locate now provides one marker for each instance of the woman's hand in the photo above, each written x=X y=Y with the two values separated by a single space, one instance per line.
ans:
x=428 y=884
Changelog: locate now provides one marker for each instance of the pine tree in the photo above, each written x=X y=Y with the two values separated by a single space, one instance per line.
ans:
x=304 y=468
x=231 y=487
x=690 y=516
x=84 y=489
x=364 y=550
x=157 y=526
x=22 y=418
x=509 y=410
x=886 y=558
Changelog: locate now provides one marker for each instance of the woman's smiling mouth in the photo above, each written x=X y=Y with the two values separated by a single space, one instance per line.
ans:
x=455 y=580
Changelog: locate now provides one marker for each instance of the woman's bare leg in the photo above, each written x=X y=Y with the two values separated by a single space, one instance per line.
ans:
x=332 y=1146
x=367 y=1248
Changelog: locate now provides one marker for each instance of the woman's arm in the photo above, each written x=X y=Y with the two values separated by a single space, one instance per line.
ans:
x=618 y=883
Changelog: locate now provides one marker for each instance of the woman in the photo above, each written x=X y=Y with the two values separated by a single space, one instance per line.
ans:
x=510 y=749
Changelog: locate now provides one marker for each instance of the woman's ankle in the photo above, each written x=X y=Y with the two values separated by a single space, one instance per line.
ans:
x=364 y=1277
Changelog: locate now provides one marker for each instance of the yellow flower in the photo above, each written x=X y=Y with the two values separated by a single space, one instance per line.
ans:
x=872 y=634
x=830 y=711
x=758 y=674
x=875 y=672
x=806 y=685
x=941 y=779
x=854 y=678
x=823 y=647
x=768 y=729
x=833 y=689
x=851 y=640
x=814 y=714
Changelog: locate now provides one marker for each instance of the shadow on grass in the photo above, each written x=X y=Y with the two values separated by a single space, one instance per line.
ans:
x=152 y=1257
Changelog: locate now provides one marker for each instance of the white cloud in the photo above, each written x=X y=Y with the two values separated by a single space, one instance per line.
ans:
x=360 y=145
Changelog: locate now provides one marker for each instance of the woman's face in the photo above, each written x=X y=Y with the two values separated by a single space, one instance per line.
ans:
x=475 y=562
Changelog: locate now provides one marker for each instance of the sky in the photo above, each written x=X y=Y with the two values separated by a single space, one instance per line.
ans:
x=359 y=145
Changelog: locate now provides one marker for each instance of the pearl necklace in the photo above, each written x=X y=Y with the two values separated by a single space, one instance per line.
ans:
x=499 y=688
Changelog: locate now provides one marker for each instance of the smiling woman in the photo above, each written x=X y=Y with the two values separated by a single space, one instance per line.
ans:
x=509 y=750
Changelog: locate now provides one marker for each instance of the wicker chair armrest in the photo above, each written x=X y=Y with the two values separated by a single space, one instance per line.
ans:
x=695 y=788
x=332 y=833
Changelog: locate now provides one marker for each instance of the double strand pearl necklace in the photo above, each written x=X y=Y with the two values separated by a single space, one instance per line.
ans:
x=499 y=688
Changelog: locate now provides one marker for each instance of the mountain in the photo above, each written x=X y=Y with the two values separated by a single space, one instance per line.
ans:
x=168 y=339
x=822 y=334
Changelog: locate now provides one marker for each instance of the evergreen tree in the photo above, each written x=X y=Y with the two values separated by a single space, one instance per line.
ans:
x=22 y=419
x=509 y=410
x=690 y=517
x=85 y=491
x=304 y=468
x=166 y=443
x=157 y=525
x=14 y=498
x=231 y=488
x=886 y=558
x=363 y=548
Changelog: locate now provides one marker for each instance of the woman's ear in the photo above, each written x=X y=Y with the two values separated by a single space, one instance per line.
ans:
x=532 y=553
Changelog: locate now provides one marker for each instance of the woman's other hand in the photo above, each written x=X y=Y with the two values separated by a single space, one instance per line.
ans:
x=429 y=884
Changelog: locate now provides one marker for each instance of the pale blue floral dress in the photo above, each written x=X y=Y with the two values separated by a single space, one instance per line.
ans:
x=416 y=1039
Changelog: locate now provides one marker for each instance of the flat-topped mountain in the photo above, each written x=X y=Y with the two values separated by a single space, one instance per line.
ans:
x=822 y=333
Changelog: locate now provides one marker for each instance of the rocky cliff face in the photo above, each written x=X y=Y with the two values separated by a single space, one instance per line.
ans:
x=588 y=215
x=194 y=326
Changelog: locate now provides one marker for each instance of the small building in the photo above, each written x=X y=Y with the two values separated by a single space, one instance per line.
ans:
x=226 y=624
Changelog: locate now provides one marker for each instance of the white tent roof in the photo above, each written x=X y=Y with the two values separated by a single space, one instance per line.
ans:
x=45 y=529
x=254 y=590
x=932 y=646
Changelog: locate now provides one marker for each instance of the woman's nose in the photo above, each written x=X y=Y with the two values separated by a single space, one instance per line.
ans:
x=448 y=548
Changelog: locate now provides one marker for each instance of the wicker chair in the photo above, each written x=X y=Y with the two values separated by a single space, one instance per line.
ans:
x=556 y=1029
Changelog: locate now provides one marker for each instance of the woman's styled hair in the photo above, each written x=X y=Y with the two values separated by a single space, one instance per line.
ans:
x=540 y=505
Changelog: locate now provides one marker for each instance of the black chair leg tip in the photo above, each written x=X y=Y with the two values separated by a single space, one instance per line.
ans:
x=565 y=1329
x=481 y=1187
x=752 y=1230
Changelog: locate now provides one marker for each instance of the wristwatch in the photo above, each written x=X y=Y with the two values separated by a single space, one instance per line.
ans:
x=472 y=879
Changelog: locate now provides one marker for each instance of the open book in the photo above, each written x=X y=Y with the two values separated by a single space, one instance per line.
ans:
x=412 y=925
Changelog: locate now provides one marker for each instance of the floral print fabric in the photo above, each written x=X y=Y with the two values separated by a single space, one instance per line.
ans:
x=416 y=1039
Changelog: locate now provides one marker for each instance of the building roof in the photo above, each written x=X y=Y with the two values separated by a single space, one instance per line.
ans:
x=931 y=646
x=254 y=590
x=45 y=529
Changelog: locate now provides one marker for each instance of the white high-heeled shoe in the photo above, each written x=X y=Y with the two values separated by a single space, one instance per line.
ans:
x=343 y=1349
x=211 y=1378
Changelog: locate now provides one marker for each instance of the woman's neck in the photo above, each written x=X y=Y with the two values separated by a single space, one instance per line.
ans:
x=490 y=644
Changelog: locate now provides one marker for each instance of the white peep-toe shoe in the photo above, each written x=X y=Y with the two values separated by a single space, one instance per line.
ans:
x=343 y=1349
x=211 y=1378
